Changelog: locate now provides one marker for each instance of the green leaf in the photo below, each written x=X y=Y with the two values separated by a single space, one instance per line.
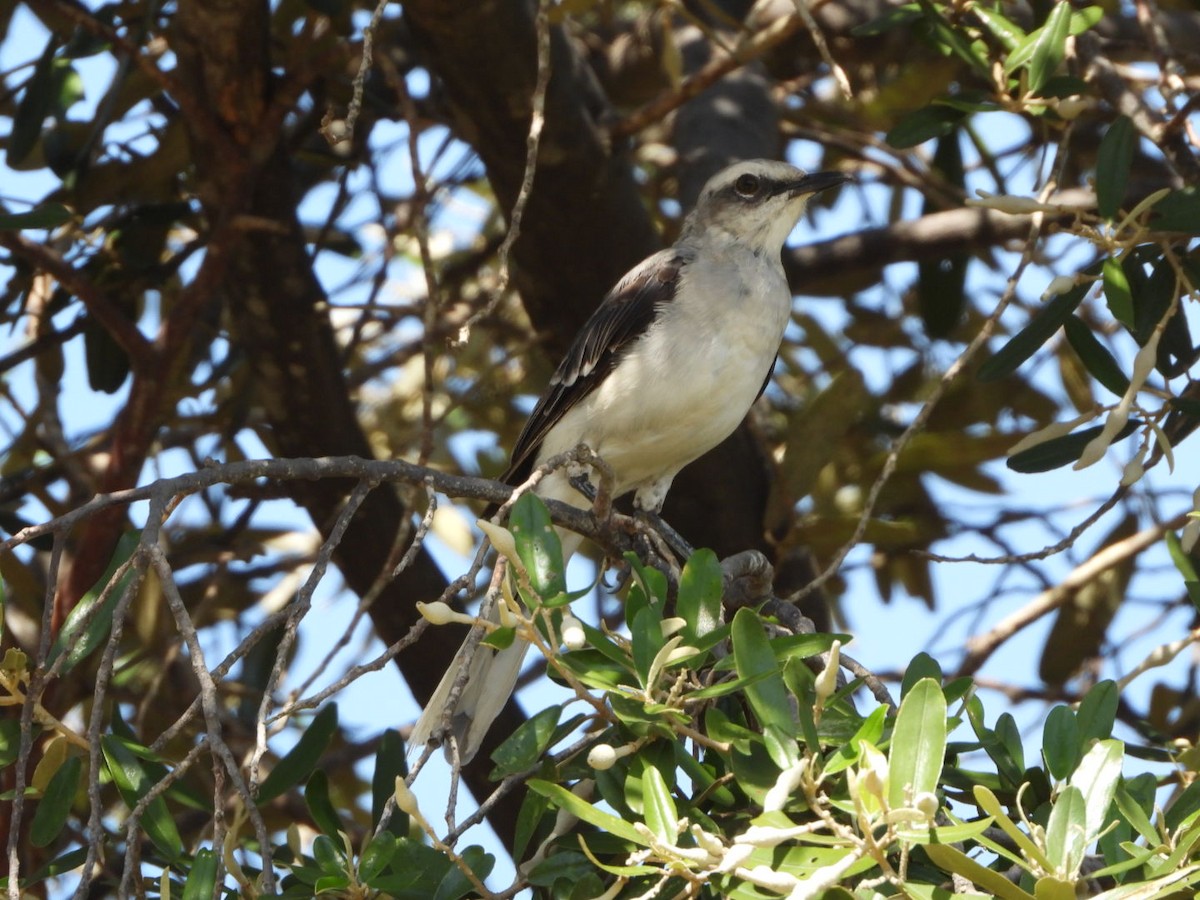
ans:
x=1183 y=806
x=33 y=108
x=133 y=783
x=753 y=657
x=298 y=763
x=1096 y=777
x=1117 y=292
x=1062 y=451
x=202 y=879
x=1066 y=832
x=896 y=17
x=699 y=601
x=376 y=856
x=316 y=798
x=581 y=809
x=1084 y=19
x=661 y=815
x=847 y=754
x=329 y=855
x=389 y=764
x=918 y=744
x=529 y=817
x=87 y=627
x=1095 y=356
x=1178 y=211
x=45 y=215
x=1113 y=163
x=1008 y=34
x=455 y=884
x=950 y=859
x=1049 y=46
x=55 y=805
x=538 y=547
x=1061 y=745
x=1098 y=711
x=646 y=638
x=933 y=121
x=987 y=802
x=525 y=747
x=1133 y=813
x=10 y=741
x=1037 y=331
x=922 y=666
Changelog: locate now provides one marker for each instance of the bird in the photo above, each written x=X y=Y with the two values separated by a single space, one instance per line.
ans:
x=665 y=369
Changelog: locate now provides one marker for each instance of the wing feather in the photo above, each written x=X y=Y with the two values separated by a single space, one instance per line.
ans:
x=624 y=315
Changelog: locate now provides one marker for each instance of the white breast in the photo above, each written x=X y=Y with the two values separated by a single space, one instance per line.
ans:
x=686 y=385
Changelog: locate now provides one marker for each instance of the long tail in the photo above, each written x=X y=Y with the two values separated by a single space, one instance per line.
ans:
x=492 y=674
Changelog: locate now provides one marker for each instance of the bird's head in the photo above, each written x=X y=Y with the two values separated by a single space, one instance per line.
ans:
x=757 y=202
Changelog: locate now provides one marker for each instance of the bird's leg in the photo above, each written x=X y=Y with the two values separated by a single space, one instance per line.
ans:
x=648 y=503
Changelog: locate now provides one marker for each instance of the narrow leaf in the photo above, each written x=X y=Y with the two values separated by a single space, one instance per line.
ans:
x=699 y=601
x=955 y=861
x=1066 y=833
x=1098 y=711
x=1097 y=776
x=202 y=879
x=753 y=657
x=47 y=215
x=298 y=763
x=581 y=809
x=1054 y=454
x=661 y=815
x=1028 y=340
x=918 y=745
x=1095 y=356
x=389 y=764
x=133 y=783
x=316 y=798
x=1050 y=46
x=1117 y=292
x=1060 y=742
x=55 y=805
x=1113 y=163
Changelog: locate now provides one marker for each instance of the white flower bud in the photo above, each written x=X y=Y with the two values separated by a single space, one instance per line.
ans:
x=437 y=612
x=927 y=804
x=406 y=800
x=572 y=633
x=827 y=681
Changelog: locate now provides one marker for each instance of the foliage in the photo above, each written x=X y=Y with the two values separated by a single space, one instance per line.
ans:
x=246 y=247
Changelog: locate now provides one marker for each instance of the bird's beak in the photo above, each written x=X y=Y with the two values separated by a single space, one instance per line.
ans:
x=814 y=183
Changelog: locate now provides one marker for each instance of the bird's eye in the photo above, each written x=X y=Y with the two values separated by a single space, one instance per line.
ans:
x=747 y=185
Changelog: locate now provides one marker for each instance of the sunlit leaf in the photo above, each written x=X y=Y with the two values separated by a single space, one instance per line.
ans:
x=918 y=744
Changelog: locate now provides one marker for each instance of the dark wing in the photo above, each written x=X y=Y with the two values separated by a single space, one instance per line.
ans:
x=623 y=316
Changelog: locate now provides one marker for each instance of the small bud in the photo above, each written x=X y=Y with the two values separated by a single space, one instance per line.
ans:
x=1073 y=107
x=572 y=633
x=1060 y=284
x=437 y=612
x=827 y=680
x=927 y=804
x=406 y=800
x=602 y=757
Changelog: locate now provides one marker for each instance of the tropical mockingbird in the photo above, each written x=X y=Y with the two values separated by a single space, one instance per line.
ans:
x=664 y=370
